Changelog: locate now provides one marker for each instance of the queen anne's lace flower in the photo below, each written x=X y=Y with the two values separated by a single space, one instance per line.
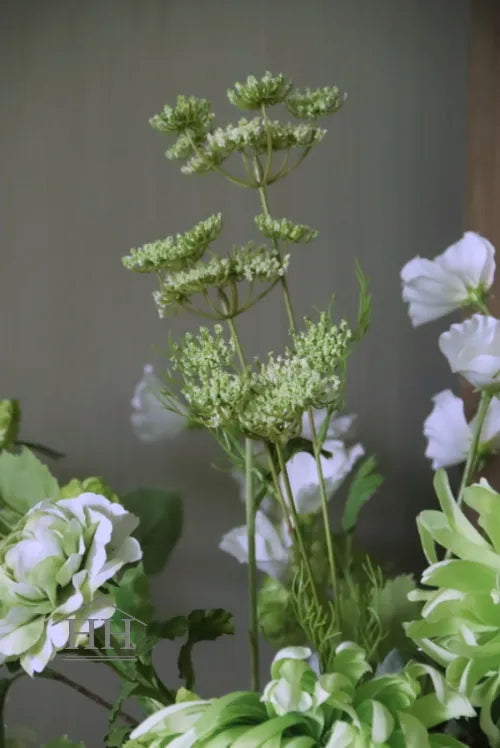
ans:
x=449 y=436
x=272 y=546
x=52 y=568
x=254 y=93
x=311 y=104
x=190 y=115
x=285 y=230
x=459 y=276
x=473 y=350
x=175 y=253
x=150 y=419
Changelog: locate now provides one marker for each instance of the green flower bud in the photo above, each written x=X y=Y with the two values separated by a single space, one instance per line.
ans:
x=254 y=93
x=191 y=115
x=175 y=253
x=311 y=104
x=285 y=230
x=10 y=416
x=75 y=487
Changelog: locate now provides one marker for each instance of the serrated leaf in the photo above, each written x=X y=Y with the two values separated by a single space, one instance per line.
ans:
x=24 y=481
x=203 y=625
x=160 y=514
x=363 y=485
x=171 y=629
x=116 y=732
x=393 y=608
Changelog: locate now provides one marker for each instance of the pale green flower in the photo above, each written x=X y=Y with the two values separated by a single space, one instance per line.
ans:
x=344 y=707
x=191 y=115
x=10 y=415
x=285 y=230
x=311 y=104
x=254 y=93
x=52 y=568
x=175 y=253
x=460 y=624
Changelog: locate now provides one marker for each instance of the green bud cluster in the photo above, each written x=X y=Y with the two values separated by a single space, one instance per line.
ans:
x=251 y=134
x=10 y=416
x=211 y=388
x=312 y=104
x=245 y=263
x=255 y=93
x=285 y=230
x=191 y=116
x=175 y=253
x=323 y=345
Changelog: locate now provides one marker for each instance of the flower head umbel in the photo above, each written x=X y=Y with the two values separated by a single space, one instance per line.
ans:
x=285 y=230
x=473 y=350
x=312 y=104
x=460 y=276
x=449 y=436
x=272 y=545
x=53 y=567
x=151 y=420
x=175 y=253
x=191 y=116
x=255 y=93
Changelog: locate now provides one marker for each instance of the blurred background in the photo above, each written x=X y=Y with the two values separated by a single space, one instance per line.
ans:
x=84 y=179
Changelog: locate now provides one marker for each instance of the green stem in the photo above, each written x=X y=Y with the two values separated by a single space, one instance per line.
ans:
x=51 y=674
x=476 y=436
x=296 y=521
x=250 y=512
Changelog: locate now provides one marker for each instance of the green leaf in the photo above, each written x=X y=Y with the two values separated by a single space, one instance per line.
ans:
x=365 y=304
x=24 y=481
x=116 y=732
x=301 y=444
x=269 y=730
x=160 y=515
x=171 y=629
x=393 y=608
x=133 y=595
x=117 y=735
x=203 y=625
x=363 y=485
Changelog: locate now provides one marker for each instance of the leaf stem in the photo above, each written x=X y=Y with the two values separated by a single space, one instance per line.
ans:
x=476 y=436
x=51 y=674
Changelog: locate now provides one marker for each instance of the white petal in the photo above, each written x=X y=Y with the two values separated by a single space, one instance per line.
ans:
x=150 y=419
x=490 y=432
x=271 y=549
x=473 y=350
x=448 y=434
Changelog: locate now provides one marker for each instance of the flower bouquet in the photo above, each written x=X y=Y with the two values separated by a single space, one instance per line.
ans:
x=363 y=659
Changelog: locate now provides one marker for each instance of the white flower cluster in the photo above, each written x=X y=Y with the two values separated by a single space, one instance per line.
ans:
x=460 y=277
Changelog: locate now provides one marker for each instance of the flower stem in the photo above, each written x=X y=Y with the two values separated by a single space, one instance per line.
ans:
x=51 y=674
x=250 y=512
x=314 y=435
x=470 y=464
x=296 y=521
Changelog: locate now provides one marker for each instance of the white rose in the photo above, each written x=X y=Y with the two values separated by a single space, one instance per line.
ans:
x=449 y=436
x=272 y=545
x=52 y=567
x=473 y=350
x=150 y=419
x=455 y=278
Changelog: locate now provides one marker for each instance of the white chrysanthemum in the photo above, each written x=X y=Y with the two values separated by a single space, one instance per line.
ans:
x=272 y=545
x=473 y=350
x=52 y=568
x=303 y=475
x=449 y=436
x=150 y=419
x=436 y=287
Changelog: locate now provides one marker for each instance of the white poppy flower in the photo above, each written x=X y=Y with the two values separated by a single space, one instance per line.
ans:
x=436 y=287
x=52 y=568
x=473 y=350
x=339 y=427
x=303 y=475
x=449 y=436
x=150 y=419
x=272 y=545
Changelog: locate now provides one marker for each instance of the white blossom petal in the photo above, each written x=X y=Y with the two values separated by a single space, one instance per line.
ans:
x=473 y=350
x=436 y=287
x=150 y=419
x=448 y=433
x=271 y=546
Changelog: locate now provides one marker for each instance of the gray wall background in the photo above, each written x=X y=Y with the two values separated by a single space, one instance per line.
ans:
x=84 y=179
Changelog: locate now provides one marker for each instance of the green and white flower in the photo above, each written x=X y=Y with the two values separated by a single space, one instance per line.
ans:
x=312 y=104
x=285 y=230
x=255 y=93
x=53 y=567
